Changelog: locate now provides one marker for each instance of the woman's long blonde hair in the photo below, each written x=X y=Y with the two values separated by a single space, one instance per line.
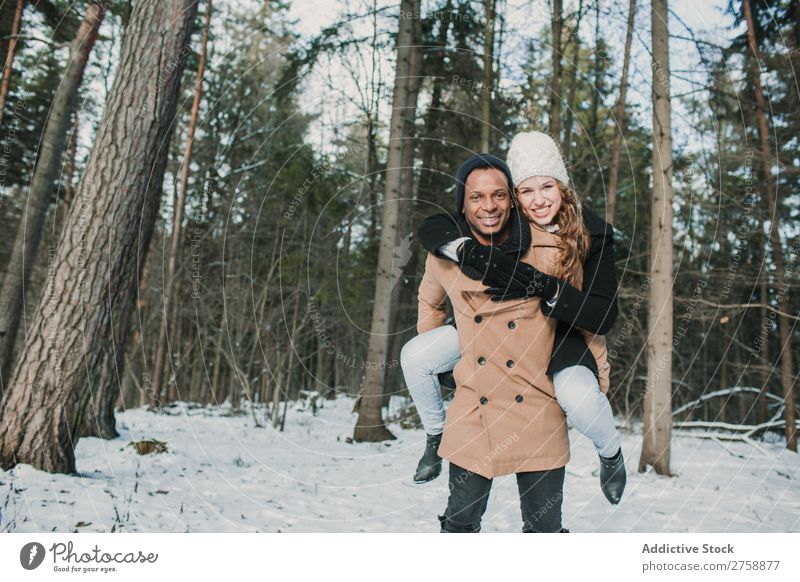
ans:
x=573 y=237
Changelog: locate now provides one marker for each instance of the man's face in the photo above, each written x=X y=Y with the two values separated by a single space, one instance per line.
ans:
x=487 y=205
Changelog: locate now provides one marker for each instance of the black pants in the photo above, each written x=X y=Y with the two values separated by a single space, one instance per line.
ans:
x=540 y=496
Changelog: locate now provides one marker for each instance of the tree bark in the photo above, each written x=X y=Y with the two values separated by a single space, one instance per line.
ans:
x=619 y=118
x=216 y=396
x=159 y=364
x=9 y=57
x=594 y=117
x=133 y=393
x=572 y=81
x=658 y=394
x=285 y=379
x=555 y=83
x=405 y=223
x=488 y=76
x=69 y=171
x=74 y=352
x=777 y=253
x=761 y=414
x=370 y=426
x=433 y=116
x=7 y=12
x=29 y=232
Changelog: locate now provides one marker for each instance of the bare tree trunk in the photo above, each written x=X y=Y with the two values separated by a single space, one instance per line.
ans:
x=572 y=82
x=287 y=376
x=658 y=394
x=69 y=173
x=405 y=223
x=174 y=345
x=75 y=349
x=276 y=392
x=133 y=394
x=555 y=84
x=761 y=415
x=370 y=426
x=29 y=232
x=371 y=172
x=216 y=376
x=321 y=375
x=372 y=111
x=724 y=376
x=194 y=379
x=159 y=364
x=7 y=13
x=432 y=117
x=593 y=118
x=777 y=253
x=9 y=61
x=488 y=76
x=619 y=118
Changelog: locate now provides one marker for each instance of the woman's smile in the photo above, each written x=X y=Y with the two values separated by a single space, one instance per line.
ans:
x=541 y=212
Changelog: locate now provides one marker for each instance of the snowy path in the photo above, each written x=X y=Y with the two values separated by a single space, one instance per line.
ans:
x=223 y=475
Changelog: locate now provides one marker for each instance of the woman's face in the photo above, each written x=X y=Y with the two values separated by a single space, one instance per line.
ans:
x=540 y=199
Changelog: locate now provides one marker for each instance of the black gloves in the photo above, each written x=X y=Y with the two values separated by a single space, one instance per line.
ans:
x=506 y=277
x=440 y=229
x=511 y=279
x=475 y=259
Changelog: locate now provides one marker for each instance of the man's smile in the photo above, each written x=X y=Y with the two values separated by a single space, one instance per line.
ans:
x=489 y=221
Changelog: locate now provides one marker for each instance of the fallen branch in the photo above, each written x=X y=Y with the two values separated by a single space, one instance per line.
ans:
x=724 y=392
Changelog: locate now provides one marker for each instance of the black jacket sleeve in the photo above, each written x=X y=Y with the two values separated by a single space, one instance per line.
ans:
x=438 y=230
x=593 y=308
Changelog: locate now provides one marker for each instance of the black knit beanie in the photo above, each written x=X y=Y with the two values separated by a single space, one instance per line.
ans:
x=478 y=162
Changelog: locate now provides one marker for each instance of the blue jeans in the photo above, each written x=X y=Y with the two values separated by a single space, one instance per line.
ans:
x=422 y=358
x=577 y=389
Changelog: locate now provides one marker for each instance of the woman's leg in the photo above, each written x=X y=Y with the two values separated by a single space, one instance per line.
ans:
x=422 y=358
x=578 y=393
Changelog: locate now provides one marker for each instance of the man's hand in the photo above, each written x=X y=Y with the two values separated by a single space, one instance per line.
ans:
x=509 y=278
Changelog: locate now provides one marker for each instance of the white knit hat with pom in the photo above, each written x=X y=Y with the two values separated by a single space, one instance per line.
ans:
x=533 y=153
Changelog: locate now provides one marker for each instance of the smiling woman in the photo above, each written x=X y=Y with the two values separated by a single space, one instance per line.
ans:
x=540 y=198
x=545 y=198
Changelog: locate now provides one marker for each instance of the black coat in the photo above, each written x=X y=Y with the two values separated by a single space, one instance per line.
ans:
x=592 y=308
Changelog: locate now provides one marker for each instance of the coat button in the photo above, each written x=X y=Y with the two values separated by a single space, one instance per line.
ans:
x=484 y=400
x=518 y=398
x=510 y=363
x=478 y=318
x=481 y=360
x=512 y=325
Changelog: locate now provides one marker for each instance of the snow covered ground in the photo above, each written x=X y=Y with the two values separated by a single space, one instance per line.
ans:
x=223 y=474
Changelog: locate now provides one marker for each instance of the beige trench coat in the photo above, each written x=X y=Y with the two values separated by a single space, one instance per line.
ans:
x=504 y=417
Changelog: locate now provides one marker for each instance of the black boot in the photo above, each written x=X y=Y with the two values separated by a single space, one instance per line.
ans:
x=612 y=477
x=430 y=465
